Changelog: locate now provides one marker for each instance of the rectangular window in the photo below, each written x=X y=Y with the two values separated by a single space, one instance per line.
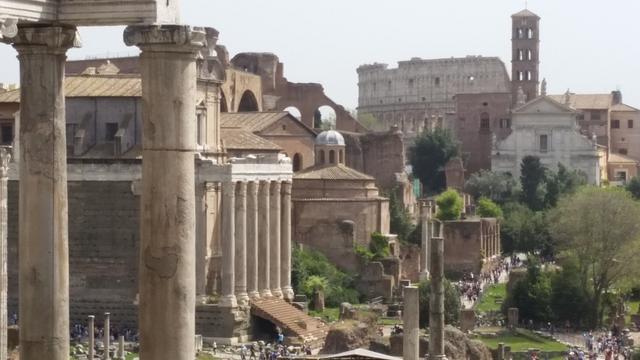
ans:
x=110 y=131
x=505 y=123
x=615 y=124
x=630 y=124
x=544 y=143
x=621 y=176
x=7 y=134
x=595 y=115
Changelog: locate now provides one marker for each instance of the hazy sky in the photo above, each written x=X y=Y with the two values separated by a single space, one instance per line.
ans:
x=590 y=46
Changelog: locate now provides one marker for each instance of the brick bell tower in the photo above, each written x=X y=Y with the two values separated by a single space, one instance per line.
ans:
x=525 y=57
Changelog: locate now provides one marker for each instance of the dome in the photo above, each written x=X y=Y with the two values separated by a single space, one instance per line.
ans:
x=330 y=137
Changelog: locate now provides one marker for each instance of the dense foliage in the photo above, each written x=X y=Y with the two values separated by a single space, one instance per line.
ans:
x=532 y=179
x=451 y=303
x=311 y=269
x=400 y=223
x=450 y=205
x=525 y=231
x=378 y=248
x=488 y=209
x=633 y=186
x=498 y=187
x=428 y=157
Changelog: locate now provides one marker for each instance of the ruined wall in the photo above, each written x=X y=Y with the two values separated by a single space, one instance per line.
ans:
x=410 y=260
x=463 y=246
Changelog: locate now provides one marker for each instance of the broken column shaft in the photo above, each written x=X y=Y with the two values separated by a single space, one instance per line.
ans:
x=436 y=299
x=167 y=284
x=411 y=324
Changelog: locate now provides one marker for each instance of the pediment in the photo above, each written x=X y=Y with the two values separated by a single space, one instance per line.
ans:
x=543 y=104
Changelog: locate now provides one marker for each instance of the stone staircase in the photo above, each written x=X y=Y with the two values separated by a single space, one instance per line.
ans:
x=298 y=327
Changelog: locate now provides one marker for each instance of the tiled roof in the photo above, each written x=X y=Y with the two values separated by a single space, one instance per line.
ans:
x=251 y=121
x=585 y=101
x=91 y=86
x=621 y=159
x=623 y=107
x=525 y=13
x=240 y=139
x=331 y=172
x=126 y=65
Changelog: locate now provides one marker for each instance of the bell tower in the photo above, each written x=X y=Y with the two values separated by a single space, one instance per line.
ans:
x=525 y=57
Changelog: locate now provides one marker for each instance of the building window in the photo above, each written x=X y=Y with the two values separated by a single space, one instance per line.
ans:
x=529 y=55
x=199 y=128
x=520 y=33
x=297 y=162
x=110 y=131
x=437 y=81
x=622 y=151
x=485 y=122
x=505 y=123
x=630 y=124
x=520 y=54
x=7 y=134
x=544 y=143
x=410 y=82
x=595 y=115
x=529 y=33
x=621 y=175
x=332 y=156
x=615 y=124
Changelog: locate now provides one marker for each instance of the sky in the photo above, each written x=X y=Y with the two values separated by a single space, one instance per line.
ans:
x=587 y=46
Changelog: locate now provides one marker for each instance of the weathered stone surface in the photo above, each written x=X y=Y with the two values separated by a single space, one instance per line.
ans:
x=457 y=346
x=411 y=323
x=348 y=336
x=5 y=157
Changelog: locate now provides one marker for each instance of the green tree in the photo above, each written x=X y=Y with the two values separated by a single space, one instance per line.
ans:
x=429 y=155
x=498 y=187
x=598 y=228
x=525 y=230
x=451 y=302
x=532 y=295
x=449 y=205
x=400 y=222
x=562 y=182
x=570 y=299
x=633 y=186
x=488 y=209
x=532 y=179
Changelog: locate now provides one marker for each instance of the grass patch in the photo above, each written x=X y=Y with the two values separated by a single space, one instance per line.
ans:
x=492 y=293
x=524 y=340
x=389 y=321
x=328 y=315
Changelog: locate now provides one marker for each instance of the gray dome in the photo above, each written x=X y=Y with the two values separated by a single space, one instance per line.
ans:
x=330 y=137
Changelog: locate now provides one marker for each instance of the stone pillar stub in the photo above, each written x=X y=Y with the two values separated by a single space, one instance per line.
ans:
x=274 y=223
x=263 y=239
x=252 y=239
x=411 y=324
x=92 y=337
x=228 y=298
x=285 y=250
x=43 y=234
x=436 y=300
x=241 y=244
x=167 y=284
x=5 y=158
x=106 y=336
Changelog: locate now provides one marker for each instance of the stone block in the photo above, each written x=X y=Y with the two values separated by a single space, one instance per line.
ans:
x=467 y=320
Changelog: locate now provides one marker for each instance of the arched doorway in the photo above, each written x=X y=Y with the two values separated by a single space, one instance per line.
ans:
x=297 y=162
x=294 y=111
x=248 y=102
x=324 y=118
x=223 y=103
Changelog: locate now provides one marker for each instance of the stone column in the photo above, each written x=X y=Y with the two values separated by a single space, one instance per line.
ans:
x=167 y=285
x=241 y=244
x=92 y=337
x=411 y=324
x=121 y=347
x=275 y=218
x=425 y=216
x=228 y=298
x=5 y=157
x=252 y=239
x=106 y=336
x=285 y=245
x=436 y=303
x=43 y=234
x=263 y=238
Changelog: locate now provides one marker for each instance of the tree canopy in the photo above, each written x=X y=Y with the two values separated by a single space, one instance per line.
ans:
x=450 y=205
x=488 y=209
x=532 y=179
x=498 y=187
x=429 y=155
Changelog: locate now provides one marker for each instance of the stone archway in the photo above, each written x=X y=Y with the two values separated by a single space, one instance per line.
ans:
x=248 y=102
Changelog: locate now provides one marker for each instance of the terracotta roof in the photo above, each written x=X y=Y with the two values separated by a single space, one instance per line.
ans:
x=255 y=121
x=525 y=13
x=621 y=159
x=331 y=172
x=585 y=101
x=240 y=139
x=91 y=86
x=623 y=107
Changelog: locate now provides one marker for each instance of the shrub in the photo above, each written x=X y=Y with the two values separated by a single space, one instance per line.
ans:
x=451 y=303
x=488 y=209
x=449 y=205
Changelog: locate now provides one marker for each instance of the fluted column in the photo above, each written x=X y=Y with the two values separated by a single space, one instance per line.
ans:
x=228 y=244
x=43 y=228
x=252 y=239
x=263 y=238
x=5 y=157
x=241 y=243
x=167 y=284
x=285 y=232
x=275 y=215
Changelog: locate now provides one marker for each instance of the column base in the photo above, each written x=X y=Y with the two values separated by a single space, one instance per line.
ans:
x=287 y=292
x=228 y=301
x=242 y=298
x=254 y=295
x=277 y=293
x=265 y=293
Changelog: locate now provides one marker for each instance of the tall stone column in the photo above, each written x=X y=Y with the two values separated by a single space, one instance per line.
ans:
x=5 y=157
x=425 y=217
x=228 y=298
x=263 y=238
x=167 y=284
x=106 y=340
x=241 y=244
x=252 y=239
x=275 y=217
x=436 y=302
x=411 y=324
x=92 y=337
x=285 y=245
x=43 y=234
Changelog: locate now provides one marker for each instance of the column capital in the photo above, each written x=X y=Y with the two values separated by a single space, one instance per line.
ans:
x=172 y=38
x=32 y=38
x=5 y=158
x=241 y=187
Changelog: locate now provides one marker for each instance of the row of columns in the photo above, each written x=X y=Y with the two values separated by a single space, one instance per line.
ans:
x=490 y=239
x=256 y=241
